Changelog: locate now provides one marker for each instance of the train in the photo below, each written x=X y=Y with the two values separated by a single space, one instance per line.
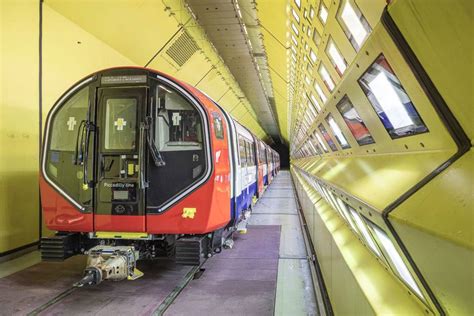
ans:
x=139 y=165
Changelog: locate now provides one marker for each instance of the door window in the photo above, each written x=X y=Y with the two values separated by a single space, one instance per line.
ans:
x=120 y=124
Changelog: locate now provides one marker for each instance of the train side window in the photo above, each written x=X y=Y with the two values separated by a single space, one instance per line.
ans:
x=61 y=153
x=178 y=137
x=242 y=151
x=353 y=23
x=341 y=139
x=327 y=137
x=390 y=100
x=218 y=126
x=354 y=122
x=178 y=124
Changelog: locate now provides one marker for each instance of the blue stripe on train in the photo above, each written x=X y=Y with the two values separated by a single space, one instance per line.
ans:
x=244 y=200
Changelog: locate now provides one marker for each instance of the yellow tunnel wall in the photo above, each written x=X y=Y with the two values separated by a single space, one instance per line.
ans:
x=74 y=44
x=19 y=129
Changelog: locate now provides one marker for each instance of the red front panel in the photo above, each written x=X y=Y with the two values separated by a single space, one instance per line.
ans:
x=122 y=223
x=59 y=214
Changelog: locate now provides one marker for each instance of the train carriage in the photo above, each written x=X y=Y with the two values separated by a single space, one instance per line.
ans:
x=133 y=157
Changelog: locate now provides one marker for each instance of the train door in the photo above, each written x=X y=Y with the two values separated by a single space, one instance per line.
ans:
x=119 y=196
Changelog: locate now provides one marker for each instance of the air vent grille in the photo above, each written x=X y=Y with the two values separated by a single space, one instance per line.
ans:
x=182 y=49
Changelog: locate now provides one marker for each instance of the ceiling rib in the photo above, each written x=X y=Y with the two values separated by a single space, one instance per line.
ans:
x=234 y=30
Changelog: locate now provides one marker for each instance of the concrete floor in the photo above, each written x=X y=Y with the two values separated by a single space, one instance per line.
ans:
x=295 y=291
x=294 y=286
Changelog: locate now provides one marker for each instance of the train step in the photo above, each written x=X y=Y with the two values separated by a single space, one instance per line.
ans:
x=59 y=247
x=191 y=251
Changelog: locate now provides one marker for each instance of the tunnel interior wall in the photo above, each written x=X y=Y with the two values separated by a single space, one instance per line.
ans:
x=78 y=39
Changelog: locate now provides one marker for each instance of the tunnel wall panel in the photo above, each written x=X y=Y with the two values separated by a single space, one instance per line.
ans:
x=19 y=126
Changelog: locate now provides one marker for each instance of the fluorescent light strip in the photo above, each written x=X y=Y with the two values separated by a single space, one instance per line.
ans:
x=390 y=102
x=397 y=261
x=365 y=232
x=323 y=13
x=326 y=77
x=321 y=142
x=337 y=131
x=295 y=15
x=336 y=57
x=353 y=24
x=320 y=92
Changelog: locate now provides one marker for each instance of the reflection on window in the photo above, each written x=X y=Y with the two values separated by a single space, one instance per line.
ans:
x=298 y=3
x=295 y=29
x=320 y=140
x=354 y=24
x=293 y=38
x=365 y=232
x=326 y=77
x=311 y=13
x=120 y=124
x=390 y=101
x=295 y=15
x=66 y=121
x=323 y=13
x=218 y=126
x=354 y=122
x=315 y=102
x=336 y=58
x=316 y=37
x=396 y=259
x=312 y=55
x=327 y=137
x=177 y=123
x=337 y=132
x=242 y=151
x=320 y=92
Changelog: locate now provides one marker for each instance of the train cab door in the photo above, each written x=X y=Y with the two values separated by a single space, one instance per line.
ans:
x=120 y=185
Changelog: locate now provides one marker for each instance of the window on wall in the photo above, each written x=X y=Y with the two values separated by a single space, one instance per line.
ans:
x=295 y=29
x=327 y=137
x=323 y=13
x=315 y=102
x=321 y=142
x=341 y=139
x=316 y=37
x=326 y=77
x=336 y=57
x=353 y=23
x=320 y=93
x=295 y=15
x=311 y=13
x=294 y=40
x=354 y=122
x=312 y=56
x=298 y=3
x=396 y=260
x=390 y=100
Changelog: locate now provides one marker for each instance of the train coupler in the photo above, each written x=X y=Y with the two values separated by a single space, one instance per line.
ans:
x=114 y=263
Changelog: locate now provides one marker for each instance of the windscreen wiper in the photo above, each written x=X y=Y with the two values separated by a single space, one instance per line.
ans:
x=155 y=153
